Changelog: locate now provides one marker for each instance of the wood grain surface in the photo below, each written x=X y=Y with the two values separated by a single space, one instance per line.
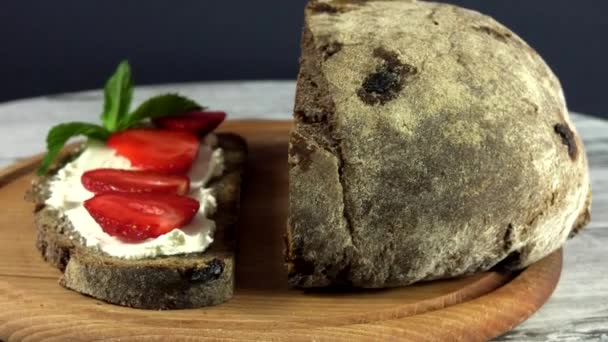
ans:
x=36 y=308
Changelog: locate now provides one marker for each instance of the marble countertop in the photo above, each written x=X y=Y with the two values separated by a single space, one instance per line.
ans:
x=577 y=311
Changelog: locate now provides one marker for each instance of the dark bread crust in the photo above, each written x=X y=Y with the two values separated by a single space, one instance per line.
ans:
x=175 y=282
x=431 y=144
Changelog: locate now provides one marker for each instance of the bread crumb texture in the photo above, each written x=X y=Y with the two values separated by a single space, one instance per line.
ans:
x=430 y=142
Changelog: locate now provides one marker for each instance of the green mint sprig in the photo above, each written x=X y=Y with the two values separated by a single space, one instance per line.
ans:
x=116 y=115
x=118 y=96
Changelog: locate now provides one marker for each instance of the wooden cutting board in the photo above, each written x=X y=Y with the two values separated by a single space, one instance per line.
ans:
x=34 y=307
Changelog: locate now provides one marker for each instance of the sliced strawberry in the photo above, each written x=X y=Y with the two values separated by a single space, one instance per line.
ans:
x=113 y=180
x=157 y=150
x=136 y=217
x=201 y=123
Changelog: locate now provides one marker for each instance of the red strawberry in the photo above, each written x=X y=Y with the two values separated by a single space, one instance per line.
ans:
x=136 y=217
x=157 y=150
x=201 y=123
x=112 y=180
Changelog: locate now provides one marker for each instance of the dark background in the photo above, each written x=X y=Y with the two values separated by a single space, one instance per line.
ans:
x=68 y=45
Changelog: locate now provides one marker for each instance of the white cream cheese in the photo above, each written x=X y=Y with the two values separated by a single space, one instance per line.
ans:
x=68 y=195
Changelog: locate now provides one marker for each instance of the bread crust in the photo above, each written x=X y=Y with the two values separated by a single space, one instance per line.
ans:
x=173 y=282
x=430 y=142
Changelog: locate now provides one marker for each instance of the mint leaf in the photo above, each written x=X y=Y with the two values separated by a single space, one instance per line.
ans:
x=159 y=106
x=115 y=116
x=118 y=96
x=59 y=135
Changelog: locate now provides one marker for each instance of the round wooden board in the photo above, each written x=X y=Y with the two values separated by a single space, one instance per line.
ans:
x=36 y=308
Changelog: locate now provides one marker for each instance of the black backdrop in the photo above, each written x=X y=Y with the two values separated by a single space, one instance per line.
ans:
x=66 y=45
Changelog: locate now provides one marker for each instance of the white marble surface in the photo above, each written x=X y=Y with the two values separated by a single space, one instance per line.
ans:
x=578 y=310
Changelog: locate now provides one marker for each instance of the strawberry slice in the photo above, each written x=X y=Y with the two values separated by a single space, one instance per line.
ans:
x=157 y=150
x=201 y=123
x=136 y=217
x=113 y=180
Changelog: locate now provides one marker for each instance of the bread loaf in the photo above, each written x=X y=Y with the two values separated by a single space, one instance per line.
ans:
x=430 y=142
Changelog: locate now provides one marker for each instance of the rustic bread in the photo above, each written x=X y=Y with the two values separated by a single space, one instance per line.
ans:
x=175 y=282
x=430 y=142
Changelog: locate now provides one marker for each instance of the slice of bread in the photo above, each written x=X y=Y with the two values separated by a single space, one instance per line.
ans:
x=173 y=282
x=430 y=142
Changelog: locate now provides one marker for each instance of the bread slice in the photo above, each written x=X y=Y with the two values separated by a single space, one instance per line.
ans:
x=430 y=142
x=173 y=282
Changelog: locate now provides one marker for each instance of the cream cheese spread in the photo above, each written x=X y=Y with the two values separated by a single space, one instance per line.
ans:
x=68 y=195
